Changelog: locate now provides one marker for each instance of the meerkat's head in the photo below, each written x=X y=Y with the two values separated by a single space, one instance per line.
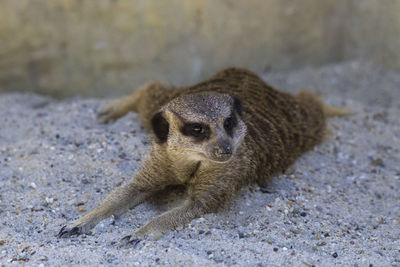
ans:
x=200 y=126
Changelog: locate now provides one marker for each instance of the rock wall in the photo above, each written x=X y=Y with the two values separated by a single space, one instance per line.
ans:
x=110 y=47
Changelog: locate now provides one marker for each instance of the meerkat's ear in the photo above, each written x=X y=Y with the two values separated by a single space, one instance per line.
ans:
x=237 y=105
x=160 y=127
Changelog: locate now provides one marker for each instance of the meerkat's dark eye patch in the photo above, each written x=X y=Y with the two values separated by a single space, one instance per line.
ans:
x=160 y=127
x=229 y=124
x=198 y=130
x=237 y=105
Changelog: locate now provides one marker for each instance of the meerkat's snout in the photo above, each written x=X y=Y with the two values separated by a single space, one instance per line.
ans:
x=221 y=151
x=221 y=146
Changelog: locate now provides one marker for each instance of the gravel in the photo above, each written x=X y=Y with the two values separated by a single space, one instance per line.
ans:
x=338 y=205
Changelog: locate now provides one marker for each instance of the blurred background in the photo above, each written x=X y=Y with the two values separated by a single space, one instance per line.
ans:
x=110 y=47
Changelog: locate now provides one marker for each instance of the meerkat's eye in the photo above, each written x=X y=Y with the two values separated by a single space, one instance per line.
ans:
x=196 y=129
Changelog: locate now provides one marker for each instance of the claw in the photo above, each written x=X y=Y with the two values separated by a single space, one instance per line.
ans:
x=267 y=190
x=62 y=232
x=68 y=233
x=128 y=240
x=265 y=187
x=75 y=231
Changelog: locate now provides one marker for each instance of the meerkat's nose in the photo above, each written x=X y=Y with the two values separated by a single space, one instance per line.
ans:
x=227 y=149
x=222 y=151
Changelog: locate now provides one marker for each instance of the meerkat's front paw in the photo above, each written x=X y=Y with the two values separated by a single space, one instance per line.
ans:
x=73 y=229
x=68 y=232
x=130 y=240
x=111 y=111
x=146 y=233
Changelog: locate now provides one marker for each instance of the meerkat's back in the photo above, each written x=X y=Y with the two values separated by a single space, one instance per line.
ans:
x=281 y=126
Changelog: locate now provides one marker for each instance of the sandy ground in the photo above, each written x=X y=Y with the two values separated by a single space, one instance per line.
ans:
x=339 y=204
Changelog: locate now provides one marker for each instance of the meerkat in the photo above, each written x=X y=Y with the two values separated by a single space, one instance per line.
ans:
x=215 y=137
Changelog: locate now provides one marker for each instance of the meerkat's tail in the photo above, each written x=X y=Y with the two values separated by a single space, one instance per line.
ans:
x=330 y=111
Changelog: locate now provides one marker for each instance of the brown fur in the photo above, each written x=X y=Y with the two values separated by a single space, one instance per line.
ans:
x=273 y=129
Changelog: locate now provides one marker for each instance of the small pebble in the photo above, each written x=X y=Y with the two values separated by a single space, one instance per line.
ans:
x=335 y=255
x=378 y=162
x=81 y=208
x=43 y=258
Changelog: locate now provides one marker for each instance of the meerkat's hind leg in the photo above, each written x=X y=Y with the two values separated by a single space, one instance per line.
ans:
x=117 y=108
x=113 y=110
